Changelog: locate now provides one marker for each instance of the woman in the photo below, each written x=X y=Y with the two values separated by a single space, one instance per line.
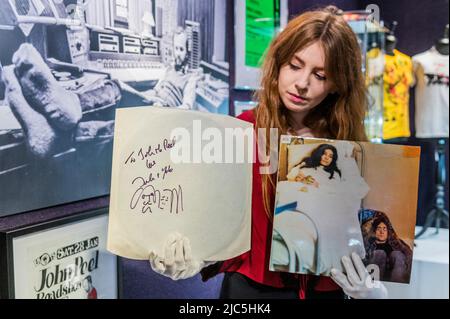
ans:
x=321 y=163
x=312 y=85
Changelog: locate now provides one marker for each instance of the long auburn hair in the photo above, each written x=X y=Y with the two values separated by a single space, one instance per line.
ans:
x=340 y=115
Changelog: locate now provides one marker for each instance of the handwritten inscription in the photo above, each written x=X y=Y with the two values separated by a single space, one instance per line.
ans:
x=147 y=198
x=144 y=153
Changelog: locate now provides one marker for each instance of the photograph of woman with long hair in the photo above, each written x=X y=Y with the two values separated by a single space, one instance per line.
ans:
x=325 y=189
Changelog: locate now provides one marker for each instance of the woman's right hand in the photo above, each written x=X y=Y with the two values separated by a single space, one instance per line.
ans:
x=356 y=281
x=177 y=262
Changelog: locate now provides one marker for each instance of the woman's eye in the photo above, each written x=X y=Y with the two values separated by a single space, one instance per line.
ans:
x=294 y=66
x=320 y=77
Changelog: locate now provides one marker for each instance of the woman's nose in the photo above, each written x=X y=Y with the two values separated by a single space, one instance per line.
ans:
x=302 y=81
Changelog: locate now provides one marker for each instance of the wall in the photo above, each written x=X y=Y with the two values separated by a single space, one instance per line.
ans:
x=420 y=22
x=299 y=6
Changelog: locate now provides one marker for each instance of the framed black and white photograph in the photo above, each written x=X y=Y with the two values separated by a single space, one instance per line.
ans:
x=67 y=65
x=60 y=259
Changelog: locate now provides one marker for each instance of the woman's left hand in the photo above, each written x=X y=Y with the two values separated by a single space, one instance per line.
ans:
x=357 y=283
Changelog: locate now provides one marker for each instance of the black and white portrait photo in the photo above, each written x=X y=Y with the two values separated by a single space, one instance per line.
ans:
x=67 y=65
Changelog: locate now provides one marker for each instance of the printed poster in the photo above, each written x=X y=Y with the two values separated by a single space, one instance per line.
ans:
x=66 y=262
x=262 y=21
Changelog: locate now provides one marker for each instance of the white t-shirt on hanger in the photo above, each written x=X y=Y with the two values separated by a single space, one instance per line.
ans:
x=432 y=94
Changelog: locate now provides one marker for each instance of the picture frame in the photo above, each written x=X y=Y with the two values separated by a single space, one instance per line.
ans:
x=242 y=106
x=101 y=56
x=253 y=32
x=65 y=258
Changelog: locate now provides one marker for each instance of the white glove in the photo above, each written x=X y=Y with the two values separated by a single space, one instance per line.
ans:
x=357 y=283
x=177 y=262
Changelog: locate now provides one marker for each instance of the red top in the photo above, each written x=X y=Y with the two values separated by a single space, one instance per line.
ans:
x=92 y=294
x=254 y=264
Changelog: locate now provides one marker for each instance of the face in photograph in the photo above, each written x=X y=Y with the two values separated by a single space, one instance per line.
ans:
x=180 y=48
x=381 y=233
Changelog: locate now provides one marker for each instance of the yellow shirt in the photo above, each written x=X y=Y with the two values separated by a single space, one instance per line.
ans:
x=398 y=77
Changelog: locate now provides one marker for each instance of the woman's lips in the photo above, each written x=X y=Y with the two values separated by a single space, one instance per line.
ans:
x=297 y=98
